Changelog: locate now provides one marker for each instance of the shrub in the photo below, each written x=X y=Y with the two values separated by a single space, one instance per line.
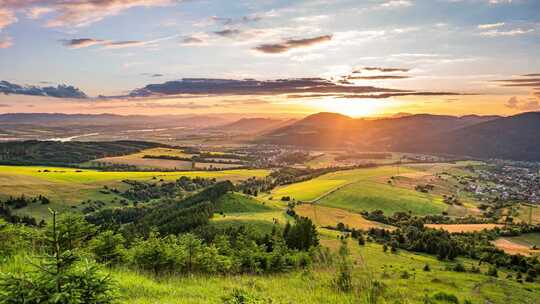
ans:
x=446 y=297
x=108 y=248
x=427 y=268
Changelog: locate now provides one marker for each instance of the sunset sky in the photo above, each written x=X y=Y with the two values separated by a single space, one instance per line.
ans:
x=361 y=58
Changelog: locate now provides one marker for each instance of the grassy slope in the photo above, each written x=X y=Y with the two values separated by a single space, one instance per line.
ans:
x=315 y=286
x=66 y=186
x=364 y=189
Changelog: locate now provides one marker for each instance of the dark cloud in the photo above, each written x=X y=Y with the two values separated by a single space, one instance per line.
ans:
x=229 y=33
x=60 y=91
x=287 y=45
x=155 y=75
x=377 y=95
x=531 y=75
x=518 y=82
x=192 y=40
x=82 y=42
x=380 y=69
x=205 y=86
x=380 y=77
x=232 y=21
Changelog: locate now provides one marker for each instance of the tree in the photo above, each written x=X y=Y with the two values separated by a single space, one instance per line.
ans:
x=302 y=236
x=155 y=254
x=61 y=277
x=108 y=248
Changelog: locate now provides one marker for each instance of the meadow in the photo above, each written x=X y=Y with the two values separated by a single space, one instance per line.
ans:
x=67 y=186
x=138 y=159
x=369 y=189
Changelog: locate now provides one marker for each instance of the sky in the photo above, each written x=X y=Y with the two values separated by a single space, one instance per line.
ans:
x=355 y=57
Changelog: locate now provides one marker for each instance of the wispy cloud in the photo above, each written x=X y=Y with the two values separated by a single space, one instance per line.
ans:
x=78 y=43
x=490 y=25
x=6 y=42
x=287 y=45
x=75 y=13
x=511 y=32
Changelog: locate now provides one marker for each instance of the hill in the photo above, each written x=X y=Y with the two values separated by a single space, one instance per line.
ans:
x=336 y=130
x=254 y=125
x=514 y=137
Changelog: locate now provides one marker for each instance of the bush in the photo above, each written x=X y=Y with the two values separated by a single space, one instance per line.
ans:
x=427 y=268
x=492 y=271
x=446 y=297
x=240 y=296
x=108 y=248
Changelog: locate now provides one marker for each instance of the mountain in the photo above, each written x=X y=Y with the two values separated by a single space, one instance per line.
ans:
x=62 y=120
x=515 y=137
x=336 y=130
x=254 y=125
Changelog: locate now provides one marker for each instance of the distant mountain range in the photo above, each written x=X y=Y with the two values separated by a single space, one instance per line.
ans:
x=516 y=137
x=255 y=125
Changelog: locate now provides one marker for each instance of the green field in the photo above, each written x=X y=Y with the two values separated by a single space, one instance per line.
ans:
x=365 y=189
x=67 y=186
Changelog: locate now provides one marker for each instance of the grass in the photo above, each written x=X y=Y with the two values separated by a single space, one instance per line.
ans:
x=367 y=189
x=326 y=216
x=238 y=203
x=315 y=286
x=372 y=196
x=67 y=187
x=137 y=159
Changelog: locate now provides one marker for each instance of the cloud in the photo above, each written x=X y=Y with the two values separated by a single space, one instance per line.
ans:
x=293 y=88
x=396 y=4
x=380 y=69
x=60 y=91
x=532 y=75
x=507 y=33
x=523 y=105
x=519 y=82
x=78 y=43
x=490 y=25
x=229 y=33
x=6 y=42
x=378 y=77
x=77 y=13
x=377 y=96
x=7 y=17
x=287 y=45
x=205 y=86
x=81 y=42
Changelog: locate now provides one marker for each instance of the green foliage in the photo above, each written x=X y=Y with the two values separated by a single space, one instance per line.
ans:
x=446 y=297
x=108 y=248
x=61 y=277
x=302 y=235
x=72 y=231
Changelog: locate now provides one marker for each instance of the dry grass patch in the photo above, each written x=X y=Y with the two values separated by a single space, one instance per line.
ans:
x=458 y=228
x=326 y=216
x=510 y=247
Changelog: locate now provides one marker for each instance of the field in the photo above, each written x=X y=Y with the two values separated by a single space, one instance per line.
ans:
x=522 y=244
x=326 y=216
x=137 y=159
x=66 y=186
x=374 y=188
x=457 y=228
